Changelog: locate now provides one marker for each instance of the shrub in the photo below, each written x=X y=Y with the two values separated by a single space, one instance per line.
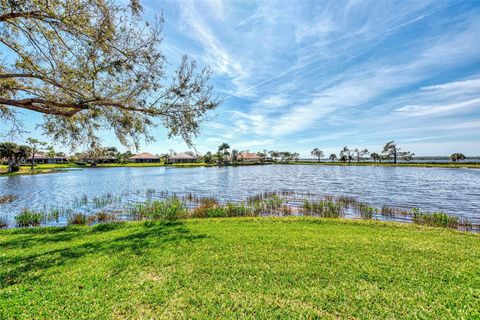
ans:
x=29 y=218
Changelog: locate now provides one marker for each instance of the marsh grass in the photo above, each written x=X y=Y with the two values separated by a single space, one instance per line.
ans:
x=29 y=218
x=324 y=208
x=165 y=206
x=169 y=209
x=3 y=223
x=78 y=219
x=435 y=219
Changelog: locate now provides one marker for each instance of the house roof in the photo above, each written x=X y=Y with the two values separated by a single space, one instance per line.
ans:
x=43 y=156
x=145 y=155
x=248 y=156
x=182 y=156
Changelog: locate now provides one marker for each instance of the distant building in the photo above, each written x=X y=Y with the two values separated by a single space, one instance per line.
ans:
x=182 y=158
x=144 y=157
x=43 y=159
x=249 y=157
x=106 y=159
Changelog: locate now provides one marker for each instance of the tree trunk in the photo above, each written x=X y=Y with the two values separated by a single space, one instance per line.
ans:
x=33 y=159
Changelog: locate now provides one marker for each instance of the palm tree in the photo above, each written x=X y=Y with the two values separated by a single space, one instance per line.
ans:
x=223 y=151
x=317 y=153
x=375 y=156
x=333 y=157
x=346 y=152
x=457 y=157
x=34 y=146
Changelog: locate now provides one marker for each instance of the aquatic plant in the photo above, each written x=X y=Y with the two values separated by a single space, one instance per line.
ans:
x=78 y=219
x=435 y=219
x=3 y=223
x=29 y=218
x=366 y=211
x=238 y=210
x=169 y=209
x=325 y=209
x=7 y=198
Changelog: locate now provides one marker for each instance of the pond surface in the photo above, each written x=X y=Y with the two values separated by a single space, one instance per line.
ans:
x=454 y=191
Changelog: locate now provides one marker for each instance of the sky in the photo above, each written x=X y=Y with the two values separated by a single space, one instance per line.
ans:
x=295 y=75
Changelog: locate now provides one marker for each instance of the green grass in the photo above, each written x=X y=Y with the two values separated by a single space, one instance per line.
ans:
x=391 y=164
x=240 y=268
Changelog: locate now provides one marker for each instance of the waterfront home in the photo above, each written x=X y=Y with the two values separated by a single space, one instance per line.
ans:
x=249 y=157
x=182 y=158
x=144 y=157
x=43 y=159
x=106 y=159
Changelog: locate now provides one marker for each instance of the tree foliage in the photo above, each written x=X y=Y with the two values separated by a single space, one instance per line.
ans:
x=92 y=65
x=457 y=157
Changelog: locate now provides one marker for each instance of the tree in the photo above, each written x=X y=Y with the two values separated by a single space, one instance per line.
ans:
x=8 y=151
x=34 y=144
x=406 y=155
x=274 y=155
x=262 y=156
x=390 y=150
x=343 y=158
x=235 y=154
x=317 y=153
x=94 y=65
x=333 y=157
x=346 y=152
x=457 y=157
x=375 y=156
x=208 y=157
x=360 y=153
x=21 y=154
x=51 y=152
x=223 y=151
x=295 y=156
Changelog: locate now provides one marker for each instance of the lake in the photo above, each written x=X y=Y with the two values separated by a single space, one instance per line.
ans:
x=454 y=191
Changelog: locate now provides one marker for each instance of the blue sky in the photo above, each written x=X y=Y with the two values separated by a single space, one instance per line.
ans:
x=295 y=75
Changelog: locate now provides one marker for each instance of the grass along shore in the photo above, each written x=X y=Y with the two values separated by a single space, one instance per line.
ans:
x=240 y=268
x=474 y=165
x=55 y=168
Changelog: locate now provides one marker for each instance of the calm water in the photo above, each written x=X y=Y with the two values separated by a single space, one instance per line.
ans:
x=455 y=191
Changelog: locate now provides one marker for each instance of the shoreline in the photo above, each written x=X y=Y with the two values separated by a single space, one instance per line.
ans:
x=58 y=168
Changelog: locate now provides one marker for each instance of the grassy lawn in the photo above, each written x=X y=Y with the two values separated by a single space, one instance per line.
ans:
x=240 y=268
x=389 y=164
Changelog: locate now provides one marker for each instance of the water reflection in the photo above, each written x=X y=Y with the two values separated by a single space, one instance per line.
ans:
x=455 y=191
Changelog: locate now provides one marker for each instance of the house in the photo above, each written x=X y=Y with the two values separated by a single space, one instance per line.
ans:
x=249 y=157
x=42 y=159
x=144 y=157
x=106 y=159
x=182 y=158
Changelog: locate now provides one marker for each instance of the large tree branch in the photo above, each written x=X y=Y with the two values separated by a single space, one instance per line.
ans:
x=28 y=15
